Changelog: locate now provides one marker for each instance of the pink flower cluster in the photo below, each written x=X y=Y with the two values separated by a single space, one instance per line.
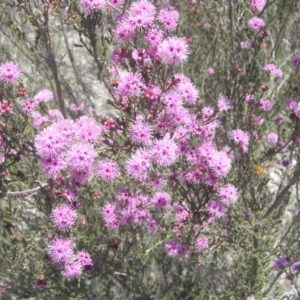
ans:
x=273 y=70
x=43 y=96
x=10 y=73
x=61 y=252
x=164 y=143
x=258 y=4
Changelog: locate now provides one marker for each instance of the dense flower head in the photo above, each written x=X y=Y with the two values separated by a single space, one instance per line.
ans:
x=188 y=92
x=223 y=104
x=240 y=138
x=161 y=200
x=10 y=73
x=92 y=5
x=258 y=4
x=250 y=99
x=54 y=115
x=220 y=163
x=273 y=70
x=142 y=13
x=216 y=209
x=52 y=166
x=296 y=266
x=84 y=259
x=28 y=105
x=173 y=50
x=202 y=243
x=140 y=132
x=281 y=263
x=49 y=142
x=64 y=217
x=228 y=194
x=81 y=156
x=138 y=165
x=265 y=105
x=169 y=18
x=272 y=138
x=115 y=3
x=61 y=250
x=43 y=96
x=210 y=71
x=256 y=23
x=130 y=85
x=164 y=152
x=72 y=270
x=175 y=248
x=296 y=61
x=66 y=129
x=290 y=104
x=245 y=45
x=87 y=130
x=154 y=37
x=108 y=170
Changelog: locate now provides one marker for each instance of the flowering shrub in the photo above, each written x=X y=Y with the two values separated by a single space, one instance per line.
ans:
x=165 y=184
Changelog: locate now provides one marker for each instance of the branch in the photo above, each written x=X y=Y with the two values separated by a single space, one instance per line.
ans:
x=282 y=194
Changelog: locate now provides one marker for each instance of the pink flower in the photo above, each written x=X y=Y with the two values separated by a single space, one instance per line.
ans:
x=107 y=170
x=273 y=70
x=84 y=259
x=258 y=4
x=52 y=166
x=138 y=165
x=141 y=13
x=141 y=133
x=164 y=152
x=296 y=61
x=272 y=138
x=130 y=85
x=64 y=217
x=202 y=243
x=81 y=156
x=188 y=92
x=265 y=105
x=216 y=209
x=161 y=200
x=173 y=50
x=158 y=183
x=168 y=18
x=249 y=99
x=256 y=23
x=49 y=142
x=291 y=104
x=228 y=194
x=87 y=130
x=66 y=128
x=240 y=138
x=10 y=73
x=92 y=5
x=55 y=115
x=206 y=26
x=72 y=270
x=174 y=248
x=245 y=45
x=43 y=96
x=223 y=104
x=28 y=105
x=154 y=37
x=61 y=250
x=210 y=71
x=124 y=31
